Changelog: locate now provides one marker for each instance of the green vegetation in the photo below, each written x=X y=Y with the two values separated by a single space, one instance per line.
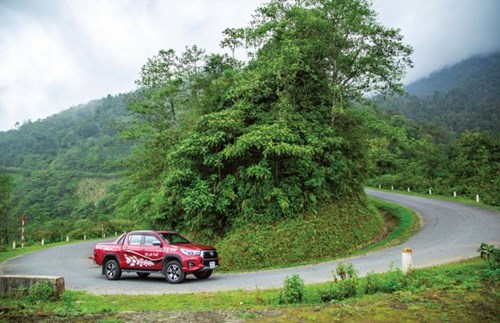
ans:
x=458 y=98
x=293 y=290
x=54 y=162
x=6 y=186
x=263 y=141
x=334 y=230
x=407 y=155
x=465 y=291
x=407 y=223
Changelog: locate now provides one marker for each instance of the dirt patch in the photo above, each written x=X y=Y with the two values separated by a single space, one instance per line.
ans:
x=231 y=316
x=389 y=220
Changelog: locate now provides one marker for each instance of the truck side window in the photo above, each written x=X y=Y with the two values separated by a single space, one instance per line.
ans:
x=134 y=239
x=149 y=240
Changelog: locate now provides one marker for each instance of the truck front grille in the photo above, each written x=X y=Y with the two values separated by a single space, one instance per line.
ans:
x=209 y=254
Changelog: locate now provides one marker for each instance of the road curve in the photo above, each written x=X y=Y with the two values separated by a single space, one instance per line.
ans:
x=450 y=232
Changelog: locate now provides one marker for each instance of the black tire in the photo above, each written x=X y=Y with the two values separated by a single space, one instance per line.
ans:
x=112 y=269
x=203 y=274
x=143 y=275
x=173 y=272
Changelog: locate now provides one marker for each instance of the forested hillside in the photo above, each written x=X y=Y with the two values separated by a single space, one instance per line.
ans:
x=65 y=165
x=462 y=97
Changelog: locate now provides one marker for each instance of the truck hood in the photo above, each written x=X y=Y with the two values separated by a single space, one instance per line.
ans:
x=194 y=246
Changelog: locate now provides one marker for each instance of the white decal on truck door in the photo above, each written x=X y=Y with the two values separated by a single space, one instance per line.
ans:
x=134 y=261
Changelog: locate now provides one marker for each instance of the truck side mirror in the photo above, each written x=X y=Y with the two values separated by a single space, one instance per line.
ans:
x=157 y=244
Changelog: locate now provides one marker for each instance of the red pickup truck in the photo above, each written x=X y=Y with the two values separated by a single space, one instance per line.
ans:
x=147 y=252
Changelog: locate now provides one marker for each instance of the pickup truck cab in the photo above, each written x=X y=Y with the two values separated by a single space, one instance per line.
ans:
x=163 y=252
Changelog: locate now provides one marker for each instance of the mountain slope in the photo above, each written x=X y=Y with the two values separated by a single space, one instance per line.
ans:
x=66 y=163
x=479 y=75
x=463 y=97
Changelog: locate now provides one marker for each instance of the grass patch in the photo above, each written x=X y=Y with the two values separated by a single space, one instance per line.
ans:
x=336 y=230
x=407 y=224
x=464 y=291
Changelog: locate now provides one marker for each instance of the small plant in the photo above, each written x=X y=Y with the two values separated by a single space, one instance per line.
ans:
x=345 y=285
x=293 y=290
x=373 y=283
x=491 y=254
x=41 y=291
x=344 y=271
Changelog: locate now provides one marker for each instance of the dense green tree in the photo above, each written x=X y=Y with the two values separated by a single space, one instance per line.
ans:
x=475 y=163
x=6 y=186
x=273 y=138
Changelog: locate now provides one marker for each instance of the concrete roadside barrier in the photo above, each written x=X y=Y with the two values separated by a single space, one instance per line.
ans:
x=11 y=283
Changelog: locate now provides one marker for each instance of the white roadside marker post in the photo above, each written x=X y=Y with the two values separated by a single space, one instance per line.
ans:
x=407 y=261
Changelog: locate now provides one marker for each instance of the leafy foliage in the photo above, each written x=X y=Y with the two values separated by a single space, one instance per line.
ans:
x=293 y=290
x=41 y=291
x=406 y=155
x=267 y=140
x=490 y=254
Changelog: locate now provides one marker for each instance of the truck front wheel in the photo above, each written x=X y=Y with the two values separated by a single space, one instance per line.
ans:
x=112 y=269
x=203 y=274
x=173 y=272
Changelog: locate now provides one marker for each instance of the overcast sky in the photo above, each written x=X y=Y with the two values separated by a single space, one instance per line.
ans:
x=55 y=54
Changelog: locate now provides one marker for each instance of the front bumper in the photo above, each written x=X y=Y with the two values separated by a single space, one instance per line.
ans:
x=197 y=264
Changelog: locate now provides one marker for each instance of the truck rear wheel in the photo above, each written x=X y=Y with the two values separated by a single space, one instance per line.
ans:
x=112 y=269
x=173 y=272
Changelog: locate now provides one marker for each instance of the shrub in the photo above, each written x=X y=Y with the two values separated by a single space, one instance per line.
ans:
x=41 y=291
x=372 y=283
x=389 y=282
x=293 y=290
x=490 y=254
x=345 y=284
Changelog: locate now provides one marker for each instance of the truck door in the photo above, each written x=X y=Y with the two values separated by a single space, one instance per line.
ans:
x=143 y=252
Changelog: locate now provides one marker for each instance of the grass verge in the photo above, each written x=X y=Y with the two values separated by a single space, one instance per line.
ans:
x=467 y=291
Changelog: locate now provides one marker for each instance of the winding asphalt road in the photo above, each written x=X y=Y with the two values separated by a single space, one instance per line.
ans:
x=450 y=232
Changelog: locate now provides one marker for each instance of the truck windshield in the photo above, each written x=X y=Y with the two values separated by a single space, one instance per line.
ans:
x=174 y=238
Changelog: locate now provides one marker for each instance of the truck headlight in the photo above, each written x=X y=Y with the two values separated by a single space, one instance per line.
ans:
x=189 y=252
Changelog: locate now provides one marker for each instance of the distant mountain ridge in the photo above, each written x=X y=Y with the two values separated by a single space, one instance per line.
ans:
x=465 y=96
x=481 y=70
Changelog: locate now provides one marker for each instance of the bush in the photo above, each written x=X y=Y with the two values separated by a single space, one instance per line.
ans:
x=392 y=281
x=293 y=290
x=490 y=254
x=345 y=284
x=41 y=291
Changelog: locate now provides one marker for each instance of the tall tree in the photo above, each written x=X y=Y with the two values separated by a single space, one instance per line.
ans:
x=282 y=136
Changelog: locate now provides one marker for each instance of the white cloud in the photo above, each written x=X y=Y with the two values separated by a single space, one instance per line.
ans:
x=443 y=32
x=34 y=60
